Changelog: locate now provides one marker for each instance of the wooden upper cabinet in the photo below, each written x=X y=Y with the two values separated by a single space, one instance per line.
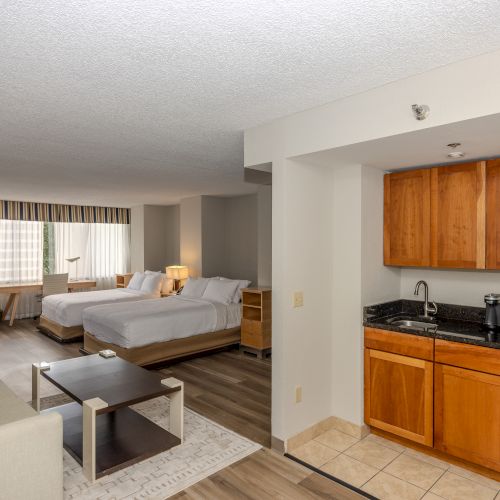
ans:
x=407 y=217
x=493 y=214
x=458 y=216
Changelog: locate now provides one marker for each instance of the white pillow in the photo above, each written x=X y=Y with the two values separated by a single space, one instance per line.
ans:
x=237 y=293
x=135 y=282
x=195 y=287
x=221 y=291
x=152 y=283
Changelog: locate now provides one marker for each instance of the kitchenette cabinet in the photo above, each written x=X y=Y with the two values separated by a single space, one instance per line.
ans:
x=467 y=402
x=407 y=220
x=437 y=217
x=458 y=216
x=435 y=392
x=493 y=214
x=399 y=388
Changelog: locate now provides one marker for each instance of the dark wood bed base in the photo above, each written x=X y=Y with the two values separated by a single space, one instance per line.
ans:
x=165 y=351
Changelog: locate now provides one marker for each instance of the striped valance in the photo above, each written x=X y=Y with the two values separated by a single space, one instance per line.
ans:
x=49 y=212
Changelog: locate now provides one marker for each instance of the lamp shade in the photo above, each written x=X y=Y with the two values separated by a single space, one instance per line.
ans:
x=177 y=272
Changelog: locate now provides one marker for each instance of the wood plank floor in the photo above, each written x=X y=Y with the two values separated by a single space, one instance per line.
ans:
x=266 y=475
x=228 y=387
x=231 y=388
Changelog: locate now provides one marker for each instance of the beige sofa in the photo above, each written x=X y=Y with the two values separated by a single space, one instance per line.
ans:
x=31 y=451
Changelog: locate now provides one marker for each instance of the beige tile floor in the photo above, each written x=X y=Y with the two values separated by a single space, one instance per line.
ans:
x=390 y=471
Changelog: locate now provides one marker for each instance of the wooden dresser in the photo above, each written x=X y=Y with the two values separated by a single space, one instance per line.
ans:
x=256 y=321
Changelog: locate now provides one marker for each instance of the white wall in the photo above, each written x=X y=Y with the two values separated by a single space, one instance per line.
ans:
x=358 y=277
x=302 y=261
x=454 y=93
x=451 y=286
x=379 y=283
x=264 y=236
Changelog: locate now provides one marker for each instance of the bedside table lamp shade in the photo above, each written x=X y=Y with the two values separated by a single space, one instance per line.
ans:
x=177 y=273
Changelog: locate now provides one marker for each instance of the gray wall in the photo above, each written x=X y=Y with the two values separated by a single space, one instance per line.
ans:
x=154 y=237
x=240 y=247
x=213 y=235
x=221 y=236
x=173 y=245
x=190 y=235
x=137 y=238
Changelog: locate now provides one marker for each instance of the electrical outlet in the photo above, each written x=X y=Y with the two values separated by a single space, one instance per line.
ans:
x=298 y=394
x=298 y=299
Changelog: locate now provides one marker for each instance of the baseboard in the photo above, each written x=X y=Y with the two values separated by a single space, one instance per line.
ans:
x=357 y=431
x=277 y=445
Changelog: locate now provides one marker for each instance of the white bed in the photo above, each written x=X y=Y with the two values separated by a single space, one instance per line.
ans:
x=159 y=320
x=66 y=308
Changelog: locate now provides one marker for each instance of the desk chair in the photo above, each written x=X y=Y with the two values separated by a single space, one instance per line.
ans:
x=53 y=284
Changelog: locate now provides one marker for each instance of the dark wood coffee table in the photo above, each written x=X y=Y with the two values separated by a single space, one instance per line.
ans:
x=100 y=430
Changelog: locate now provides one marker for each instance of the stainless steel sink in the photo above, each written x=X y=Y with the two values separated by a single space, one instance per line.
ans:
x=413 y=324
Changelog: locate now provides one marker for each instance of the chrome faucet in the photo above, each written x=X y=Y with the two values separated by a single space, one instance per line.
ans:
x=429 y=310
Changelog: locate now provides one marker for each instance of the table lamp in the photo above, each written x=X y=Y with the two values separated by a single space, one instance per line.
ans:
x=71 y=260
x=178 y=274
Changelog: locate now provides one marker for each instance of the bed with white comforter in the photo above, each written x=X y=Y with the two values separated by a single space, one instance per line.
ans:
x=66 y=309
x=132 y=325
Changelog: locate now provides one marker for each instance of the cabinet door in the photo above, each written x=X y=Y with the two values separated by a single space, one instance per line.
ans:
x=399 y=395
x=458 y=216
x=493 y=214
x=407 y=219
x=467 y=415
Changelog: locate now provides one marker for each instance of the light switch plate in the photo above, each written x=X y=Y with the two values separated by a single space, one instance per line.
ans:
x=298 y=394
x=298 y=299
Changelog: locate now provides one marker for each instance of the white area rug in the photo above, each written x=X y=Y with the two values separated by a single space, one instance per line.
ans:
x=208 y=447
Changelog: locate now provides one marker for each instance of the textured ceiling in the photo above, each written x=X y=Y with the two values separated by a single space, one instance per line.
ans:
x=121 y=102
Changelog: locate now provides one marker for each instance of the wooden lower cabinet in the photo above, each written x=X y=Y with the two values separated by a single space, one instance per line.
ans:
x=467 y=414
x=399 y=395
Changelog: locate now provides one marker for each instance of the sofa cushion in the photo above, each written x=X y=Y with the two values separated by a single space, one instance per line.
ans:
x=11 y=407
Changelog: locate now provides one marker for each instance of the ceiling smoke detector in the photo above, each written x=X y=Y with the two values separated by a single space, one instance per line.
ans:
x=455 y=154
x=420 y=111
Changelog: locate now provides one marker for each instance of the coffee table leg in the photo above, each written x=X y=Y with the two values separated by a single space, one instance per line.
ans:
x=176 y=407
x=35 y=385
x=90 y=409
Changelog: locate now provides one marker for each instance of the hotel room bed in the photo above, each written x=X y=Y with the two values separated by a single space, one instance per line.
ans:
x=61 y=316
x=158 y=330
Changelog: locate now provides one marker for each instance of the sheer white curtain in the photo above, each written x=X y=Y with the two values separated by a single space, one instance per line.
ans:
x=21 y=260
x=104 y=250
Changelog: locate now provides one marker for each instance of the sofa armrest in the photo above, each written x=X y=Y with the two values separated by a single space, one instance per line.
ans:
x=31 y=458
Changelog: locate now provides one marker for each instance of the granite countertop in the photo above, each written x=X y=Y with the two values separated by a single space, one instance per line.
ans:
x=454 y=323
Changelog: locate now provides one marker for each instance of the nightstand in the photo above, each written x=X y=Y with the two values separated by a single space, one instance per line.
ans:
x=122 y=280
x=256 y=321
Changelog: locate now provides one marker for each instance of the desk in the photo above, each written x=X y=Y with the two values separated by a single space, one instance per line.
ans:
x=15 y=292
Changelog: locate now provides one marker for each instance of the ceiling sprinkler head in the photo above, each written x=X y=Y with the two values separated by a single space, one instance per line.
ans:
x=454 y=145
x=421 y=111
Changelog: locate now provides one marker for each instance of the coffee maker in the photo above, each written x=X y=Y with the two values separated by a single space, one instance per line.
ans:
x=492 y=317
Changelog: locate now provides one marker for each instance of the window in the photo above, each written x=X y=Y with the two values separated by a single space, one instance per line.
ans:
x=29 y=249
